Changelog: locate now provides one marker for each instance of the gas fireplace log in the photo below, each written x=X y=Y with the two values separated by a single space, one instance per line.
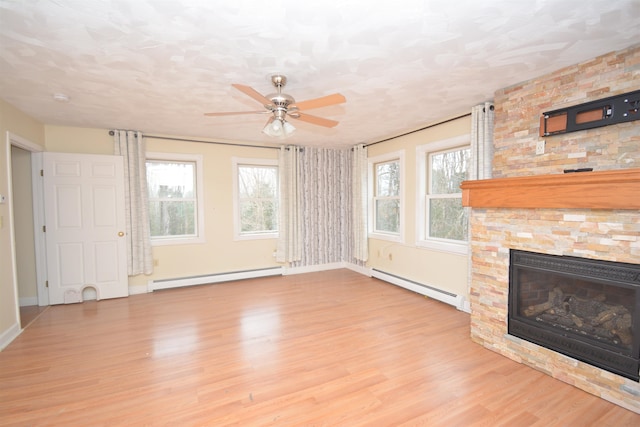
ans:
x=610 y=313
x=621 y=327
x=534 y=310
x=554 y=300
x=566 y=321
x=590 y=316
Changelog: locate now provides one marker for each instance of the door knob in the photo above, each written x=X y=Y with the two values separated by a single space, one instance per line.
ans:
x=120 y=233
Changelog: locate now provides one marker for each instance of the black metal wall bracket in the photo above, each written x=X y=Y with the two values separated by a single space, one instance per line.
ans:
x=603 y=112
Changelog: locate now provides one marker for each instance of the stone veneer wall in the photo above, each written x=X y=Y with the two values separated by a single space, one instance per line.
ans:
x=612 y=235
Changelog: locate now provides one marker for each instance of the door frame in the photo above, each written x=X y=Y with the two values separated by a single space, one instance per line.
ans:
x=38 y=215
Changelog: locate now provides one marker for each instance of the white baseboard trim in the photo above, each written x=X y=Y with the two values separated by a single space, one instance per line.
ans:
x=326 y=267
x=458 y=301
x=366 y=271
x=27 y=301
x=138 y=289
x=312 y=268
x=9 y=335
x=155 y=285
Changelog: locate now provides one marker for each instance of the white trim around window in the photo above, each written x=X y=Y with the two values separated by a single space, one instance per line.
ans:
x=422 y=173
x=237 y=234
x=373 y=161
x=199 y=177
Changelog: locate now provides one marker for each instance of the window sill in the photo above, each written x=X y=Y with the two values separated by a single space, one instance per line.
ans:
x=447 y=247
x=177 y=241
x=389 y=237
x=243 y=237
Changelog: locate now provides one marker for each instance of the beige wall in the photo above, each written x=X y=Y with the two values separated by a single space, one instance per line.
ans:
x=14 y=121
x=219 y=253
x=64 y=139
x=445 y=271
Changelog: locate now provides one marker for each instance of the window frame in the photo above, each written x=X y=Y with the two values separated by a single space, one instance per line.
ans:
x=242 y=161
x=422 y=186
x=199 y=238
x=372 y=162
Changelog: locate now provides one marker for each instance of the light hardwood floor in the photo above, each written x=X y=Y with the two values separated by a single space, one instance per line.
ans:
x=320 y=349
x=30 y=313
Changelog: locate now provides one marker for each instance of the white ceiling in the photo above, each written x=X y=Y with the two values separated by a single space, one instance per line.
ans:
x=158 y=65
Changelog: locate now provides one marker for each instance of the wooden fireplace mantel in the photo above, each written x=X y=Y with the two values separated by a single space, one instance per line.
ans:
x=614 y=189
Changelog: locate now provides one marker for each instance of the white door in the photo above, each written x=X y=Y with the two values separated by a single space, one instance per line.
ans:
x=85 y=226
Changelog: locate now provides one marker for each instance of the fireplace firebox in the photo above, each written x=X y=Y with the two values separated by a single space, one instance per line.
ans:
x=583 y=308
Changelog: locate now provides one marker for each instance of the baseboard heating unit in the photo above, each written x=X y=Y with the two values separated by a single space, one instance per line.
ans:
x=155 y=285
x=422 y=289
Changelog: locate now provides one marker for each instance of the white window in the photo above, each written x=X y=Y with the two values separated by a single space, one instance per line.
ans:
x=174 y=184
x=386 y=196
x=255 y=183
x=443 y=224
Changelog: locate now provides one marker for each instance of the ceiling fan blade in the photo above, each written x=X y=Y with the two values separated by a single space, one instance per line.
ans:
x=247 y=90
x=323 y=101
x=320 y=121
x=233 y=113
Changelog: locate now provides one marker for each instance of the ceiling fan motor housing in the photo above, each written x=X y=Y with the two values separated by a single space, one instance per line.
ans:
x=280 y=100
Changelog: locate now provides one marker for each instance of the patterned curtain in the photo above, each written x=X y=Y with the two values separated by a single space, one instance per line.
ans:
x=481 y=157
x=359 y=203
x=324 y=177
x=131 y=146
x=290 y=232
x=482 y=117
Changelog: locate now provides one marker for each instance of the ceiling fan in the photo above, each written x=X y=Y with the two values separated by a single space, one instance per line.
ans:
x=282 y=106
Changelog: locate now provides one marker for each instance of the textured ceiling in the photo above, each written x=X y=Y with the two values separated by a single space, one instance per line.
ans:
x=158 y=65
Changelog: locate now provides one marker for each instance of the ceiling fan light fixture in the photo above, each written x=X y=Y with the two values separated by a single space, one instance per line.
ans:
x=279 y=128
x=287 y=128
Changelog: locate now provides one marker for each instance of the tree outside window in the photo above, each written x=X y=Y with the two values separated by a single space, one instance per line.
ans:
x=258 y=199
x=387 y=197
x=172 y=198
x=447 y=219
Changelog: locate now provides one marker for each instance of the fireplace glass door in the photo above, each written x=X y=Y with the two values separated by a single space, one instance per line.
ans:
x=585 y=309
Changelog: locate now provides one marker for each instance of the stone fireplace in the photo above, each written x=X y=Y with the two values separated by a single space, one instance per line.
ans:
x=597 y=234
x=530 y=205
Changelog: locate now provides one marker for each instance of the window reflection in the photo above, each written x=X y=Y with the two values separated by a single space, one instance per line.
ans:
x=260 y=329
x=178 y=341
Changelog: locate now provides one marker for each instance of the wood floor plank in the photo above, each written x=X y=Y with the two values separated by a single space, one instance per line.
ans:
x=320 y=349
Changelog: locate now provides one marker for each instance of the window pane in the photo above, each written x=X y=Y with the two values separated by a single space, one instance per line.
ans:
x=258 y=199
x=388 y=179
x=447 y=219
x=388 y=215
x=448 y=170
x=257 y=182
x=171 y=179
x=172 y=218
x=258 y=216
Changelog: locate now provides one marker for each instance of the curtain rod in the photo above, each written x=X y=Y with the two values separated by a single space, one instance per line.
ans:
x=418 y=130
x=277 y=148
x=204 y=142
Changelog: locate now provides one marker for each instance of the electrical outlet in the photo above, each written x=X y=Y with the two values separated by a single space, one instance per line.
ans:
x=540 y=146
